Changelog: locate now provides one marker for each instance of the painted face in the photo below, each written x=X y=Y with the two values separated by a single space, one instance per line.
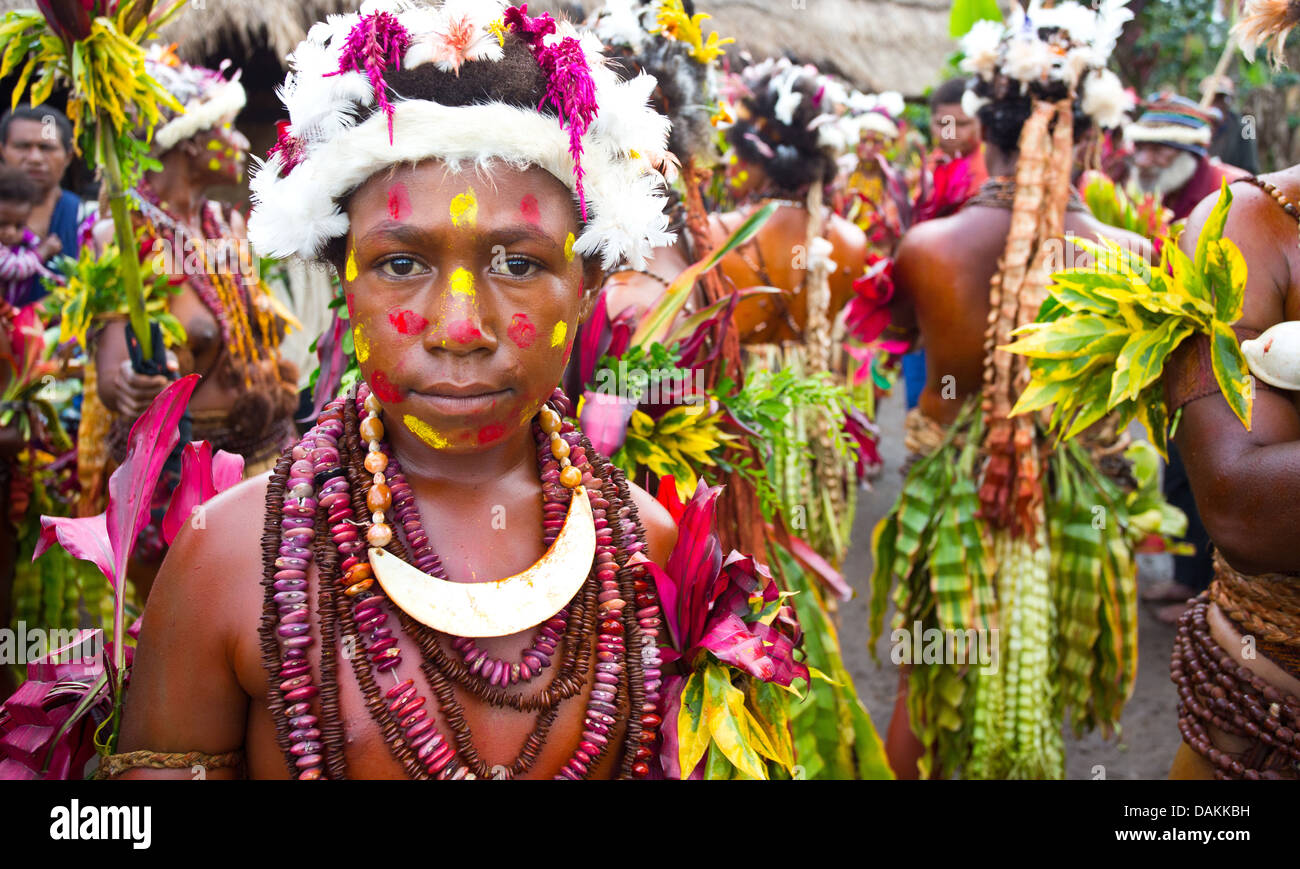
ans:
x=463 y=307
x=223 y=152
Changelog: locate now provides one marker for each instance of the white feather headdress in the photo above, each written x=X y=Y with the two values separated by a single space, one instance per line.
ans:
x=338 y=133
x=1075 y=52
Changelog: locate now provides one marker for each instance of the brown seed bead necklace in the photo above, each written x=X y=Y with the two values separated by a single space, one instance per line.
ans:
x=1214 y=690
x=354 y=611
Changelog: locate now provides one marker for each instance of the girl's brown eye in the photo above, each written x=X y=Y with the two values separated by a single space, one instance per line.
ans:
x=400 y=266
x=514 y=265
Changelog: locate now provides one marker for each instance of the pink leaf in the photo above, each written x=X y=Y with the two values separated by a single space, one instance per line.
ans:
x=86 y=539
x=604 y=420
x=227 y=470
x=732 y=642
x=131 y=487
x=669 y=592
x=194 y=488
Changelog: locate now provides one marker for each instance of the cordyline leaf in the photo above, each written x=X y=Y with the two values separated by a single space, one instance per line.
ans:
x=731 y=641
x=658 y=320
x=1212 y=229
x=131 y=487
x=669 y=593
x=84 y=538
x=724 y=710
x=202 y=476
x=692 y=727
x=1231 y=372
x=704 y=316
x=696 y=563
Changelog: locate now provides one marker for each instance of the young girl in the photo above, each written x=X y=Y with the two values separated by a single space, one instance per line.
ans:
x=468 y=227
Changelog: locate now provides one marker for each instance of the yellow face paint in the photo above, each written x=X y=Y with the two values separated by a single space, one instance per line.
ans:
x=462 y=283
x=214 y=164
x=214 y=145
x=568 y=248
x=361 y=342
x=425 y=432
x=464 y=209
x=350 y=270
x=558 y=333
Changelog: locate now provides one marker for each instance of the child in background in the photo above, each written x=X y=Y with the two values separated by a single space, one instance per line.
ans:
x=22 y=254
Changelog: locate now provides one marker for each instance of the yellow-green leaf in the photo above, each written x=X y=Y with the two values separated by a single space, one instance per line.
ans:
x=724 y=709
x=1231 y=372
x=692 y=729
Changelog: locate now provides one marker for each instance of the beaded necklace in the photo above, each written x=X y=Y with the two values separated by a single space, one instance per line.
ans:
x=315 y=492
x=226 y=292
x=1214 y=690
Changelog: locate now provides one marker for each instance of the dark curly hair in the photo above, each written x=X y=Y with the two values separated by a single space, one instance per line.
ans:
x=796 y=159
x=1011 y=102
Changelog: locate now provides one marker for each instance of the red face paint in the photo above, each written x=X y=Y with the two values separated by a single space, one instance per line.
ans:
x=528 y=207
x=399 y=202
x=407 y=322
x=463 y=331
x=384 y=389
x=522 y=332
x=489 y=433
x=348 y=299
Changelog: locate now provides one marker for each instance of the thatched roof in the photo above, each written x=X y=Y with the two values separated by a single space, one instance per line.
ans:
x=877 y=45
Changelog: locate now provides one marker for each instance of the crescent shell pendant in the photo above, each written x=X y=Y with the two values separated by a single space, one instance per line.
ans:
x=506 y=606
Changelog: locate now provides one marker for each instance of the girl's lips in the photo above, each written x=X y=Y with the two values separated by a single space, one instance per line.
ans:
x=456 y=402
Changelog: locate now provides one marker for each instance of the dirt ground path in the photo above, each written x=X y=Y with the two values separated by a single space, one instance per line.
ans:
x=1145 y=748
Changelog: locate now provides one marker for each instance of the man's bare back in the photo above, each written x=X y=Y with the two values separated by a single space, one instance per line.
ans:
x=942 y=273
x=761 y=319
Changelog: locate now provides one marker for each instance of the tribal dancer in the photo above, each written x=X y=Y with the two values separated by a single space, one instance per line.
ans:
x=232 y=324
x=1207 y=318
x=1038 y=626
x=790 y=126
x=656 y=38
x=1236 y=657
x=462 y=167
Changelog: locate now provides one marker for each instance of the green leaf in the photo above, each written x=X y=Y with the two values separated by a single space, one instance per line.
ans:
x=724 y=710
x=1225 y=272
x=1231 y=372
x=1212 y=229
x=692 y=729
x=1143 y=358
x=1062 y=339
